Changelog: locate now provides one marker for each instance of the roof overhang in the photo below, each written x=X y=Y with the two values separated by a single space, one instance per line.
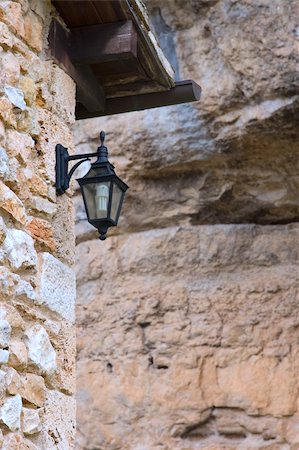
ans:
x=110 y=51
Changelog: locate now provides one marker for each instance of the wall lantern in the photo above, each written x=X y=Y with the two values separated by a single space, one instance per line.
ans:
x=102 y=190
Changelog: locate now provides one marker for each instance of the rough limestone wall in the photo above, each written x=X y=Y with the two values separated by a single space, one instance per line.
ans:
x=188 y=315
x=37 y=283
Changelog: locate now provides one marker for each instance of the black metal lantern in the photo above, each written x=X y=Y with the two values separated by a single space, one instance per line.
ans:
x=102 y=190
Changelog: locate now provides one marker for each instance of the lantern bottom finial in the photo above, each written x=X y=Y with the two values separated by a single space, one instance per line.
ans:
x=102 y=233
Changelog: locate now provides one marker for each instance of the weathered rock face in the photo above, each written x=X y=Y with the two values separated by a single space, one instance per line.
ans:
x=188 y=334
x=37 y=331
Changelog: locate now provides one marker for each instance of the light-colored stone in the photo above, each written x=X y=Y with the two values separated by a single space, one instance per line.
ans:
x=20 y=145
x=2 y=133
x=43 y=205
x=31 y=422
x=5 y=330
x=10 y=412
x=40 y=351
x=18 y=357
x=13 y=381
x=2 y=230
x=13 y=441
x=57 y=286
x=25 y=290
x=8 y=312
x=10 y=69
x=33 y=389
x=19 y=249
x=15 y=96
x=6 y=38
x=4 y=163
x=2 y=385
x=12 y=204
x=4 y=356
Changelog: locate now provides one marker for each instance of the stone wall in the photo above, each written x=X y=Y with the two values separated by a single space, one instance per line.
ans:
x=37 y=283
x=188 y=312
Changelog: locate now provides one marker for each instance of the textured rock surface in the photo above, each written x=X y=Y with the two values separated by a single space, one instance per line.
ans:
x=37 y=345
x=40 y=350
x=188 y=318
x=205 y=349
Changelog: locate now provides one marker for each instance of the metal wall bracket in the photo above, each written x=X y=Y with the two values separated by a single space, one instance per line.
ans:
x=63 y=175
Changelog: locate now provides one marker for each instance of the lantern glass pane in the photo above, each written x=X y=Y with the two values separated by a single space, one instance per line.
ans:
x=97 y=199
x=117 y=195
x=98 y=171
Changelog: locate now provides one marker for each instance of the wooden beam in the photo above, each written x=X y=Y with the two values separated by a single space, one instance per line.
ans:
x=89 y=92
x=183 y=92
x=105 y=42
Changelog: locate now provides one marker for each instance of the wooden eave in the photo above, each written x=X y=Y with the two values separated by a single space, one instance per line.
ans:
x=110 y=51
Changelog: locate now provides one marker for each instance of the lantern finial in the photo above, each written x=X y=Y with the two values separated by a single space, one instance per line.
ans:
x=102 y=137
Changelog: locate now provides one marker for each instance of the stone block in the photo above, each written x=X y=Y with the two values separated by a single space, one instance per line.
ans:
x=31 y=422
x=25 y=290
x=13 y=381
x=4 y=356
x=7 y=113
x=4 y=163
x=29 y=89
x=40 y=351
x=10 y=412
x=2 y=385
x=38 y=186
x=33 y=389
x=33 y=31
x=10 y=69
x=63 y=337
x=12 y=204
x=15 y=96
x=2 y=133
x=63 y=91
x=42 y=231
x=5 y=330
x=18 y=357
x=20 y=146
x=13 y=441
x=19 y=249
x=14 y=177
x=27 y=121
x=42 y=205
x=6 y=38
x=64 y=229
x=2 y=230
x=11 y=14
x=8 y=312
x=57 y=286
